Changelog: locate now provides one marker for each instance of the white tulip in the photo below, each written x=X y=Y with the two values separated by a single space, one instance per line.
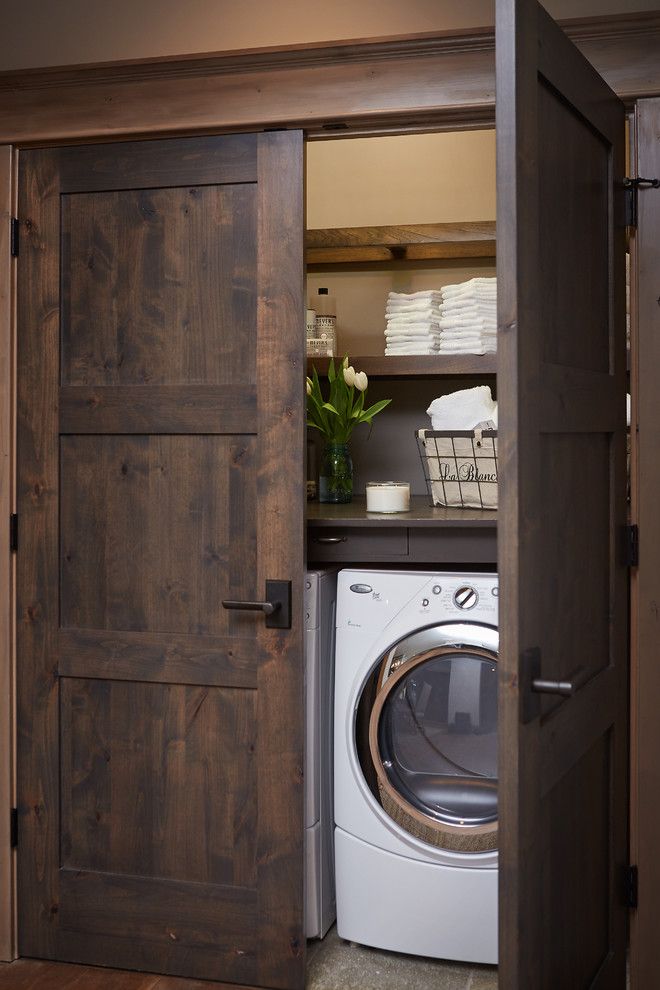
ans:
x=308 y=383
x=344 y=363
x=349 y=375
x=361 y=381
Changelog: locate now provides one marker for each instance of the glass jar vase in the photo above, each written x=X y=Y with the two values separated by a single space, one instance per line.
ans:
x=336 y=473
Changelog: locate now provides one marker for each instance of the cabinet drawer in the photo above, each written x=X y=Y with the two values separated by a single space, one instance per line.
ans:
x=329 y=543
x=456 y=546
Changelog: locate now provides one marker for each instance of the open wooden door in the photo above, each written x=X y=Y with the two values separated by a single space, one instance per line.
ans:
x=561 y=389
x=161 y=315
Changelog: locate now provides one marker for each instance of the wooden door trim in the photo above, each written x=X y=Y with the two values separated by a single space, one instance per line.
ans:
x=645 y=579
x=7 y=697
x=443 y=80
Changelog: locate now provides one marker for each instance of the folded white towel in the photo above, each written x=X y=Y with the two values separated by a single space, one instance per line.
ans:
x=471 y=335
x=413 y=315
x=467 y=304
x=463 y=322
x=424 y=326
x=423 y=294
x=465 y=347
x=412 y=335
x=462 y=410
x=410 y=350
x=479 y=285
x=392 y=343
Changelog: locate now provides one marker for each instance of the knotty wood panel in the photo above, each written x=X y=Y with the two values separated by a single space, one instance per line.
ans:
x=160 y=657
x=575 y=181
x=158 y=286
x=148 y=528
x=562 y=791
x=178 y=409
x=30 y=974
x=136 y=758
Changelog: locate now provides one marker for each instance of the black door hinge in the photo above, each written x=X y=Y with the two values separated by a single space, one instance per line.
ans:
x=631 y=552
x=13 y=827
x=13 y=532
x=630 y=187
x=631 y=886
x=14 y=228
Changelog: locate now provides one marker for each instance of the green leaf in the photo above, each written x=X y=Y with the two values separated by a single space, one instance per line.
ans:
x=377 y=407
x=331 y=370
x=330 y=407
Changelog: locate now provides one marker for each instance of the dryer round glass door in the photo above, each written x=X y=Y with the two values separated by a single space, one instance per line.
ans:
x=432 y=735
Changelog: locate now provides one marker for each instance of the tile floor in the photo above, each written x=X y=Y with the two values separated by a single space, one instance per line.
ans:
x=337 y=965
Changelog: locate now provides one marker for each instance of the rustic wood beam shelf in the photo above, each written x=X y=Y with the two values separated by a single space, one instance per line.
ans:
x=410 y=242
x=416 y=366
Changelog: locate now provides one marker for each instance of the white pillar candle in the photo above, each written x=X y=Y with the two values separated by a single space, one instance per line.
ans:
x=388 y=496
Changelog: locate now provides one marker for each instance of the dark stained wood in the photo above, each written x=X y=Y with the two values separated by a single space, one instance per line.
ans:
x=409 y=242
x=421 y=515
x=446 y=79
x=180 y=409
x=160 y=657
x=160 y=781
x=280 y=537
x=7 y=494
x=422 y=366
x=34 y=974
x=645 y=579
x=561 y=390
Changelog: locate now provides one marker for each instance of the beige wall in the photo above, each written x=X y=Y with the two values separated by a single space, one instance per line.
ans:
x=61 y=32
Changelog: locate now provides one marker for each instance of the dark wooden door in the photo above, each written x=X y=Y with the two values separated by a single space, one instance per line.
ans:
x=561 y=388
x=160 y=471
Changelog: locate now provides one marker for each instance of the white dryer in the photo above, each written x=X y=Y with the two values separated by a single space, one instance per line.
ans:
x=416 y=762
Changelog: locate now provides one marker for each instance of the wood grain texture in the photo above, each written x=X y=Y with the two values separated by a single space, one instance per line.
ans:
x=120 y=496
x=405 y=242
x=421 y=515
x=186 y=267
x=424 y=366
x=179 y=409
x=446 y=79
x=191 y=821
x=34 y=974
x=561 y=389
x=645 y=579
x=7 y=425
x=179 y=801
x=280 y=538
x=37 y=572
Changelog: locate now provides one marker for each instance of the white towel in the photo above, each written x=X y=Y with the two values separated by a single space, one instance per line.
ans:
x=465 y=347
x=423 y=294
x=394 y=344
x=424 y=326
x=412 y=349
x=393 y=335
x=468 y=335
x=462 y=410
x=467 y=322
x=480 y=286
x=412 y=314
x=468 y=304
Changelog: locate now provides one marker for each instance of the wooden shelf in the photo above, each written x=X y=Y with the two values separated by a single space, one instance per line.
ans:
x=410 y=242
x=415 y=366
x=421 y=515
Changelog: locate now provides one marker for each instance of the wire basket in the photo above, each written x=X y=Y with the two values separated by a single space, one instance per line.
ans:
x=460 y=467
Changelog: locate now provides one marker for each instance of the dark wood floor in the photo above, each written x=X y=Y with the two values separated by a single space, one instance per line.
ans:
x=35 y=974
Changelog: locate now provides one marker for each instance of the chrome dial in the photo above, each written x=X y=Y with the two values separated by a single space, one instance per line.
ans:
x=466 y=597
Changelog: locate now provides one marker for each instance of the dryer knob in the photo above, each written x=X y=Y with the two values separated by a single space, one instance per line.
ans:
x=466 y=597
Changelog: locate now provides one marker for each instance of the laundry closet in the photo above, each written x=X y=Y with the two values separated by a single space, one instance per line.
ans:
x=133 y=652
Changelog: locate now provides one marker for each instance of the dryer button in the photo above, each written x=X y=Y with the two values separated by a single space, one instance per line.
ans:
x=362 y=589
x=436 y=589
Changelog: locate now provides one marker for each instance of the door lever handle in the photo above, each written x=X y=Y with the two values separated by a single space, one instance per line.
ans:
x=564 y=688
x=276 y=607
x=267 y=607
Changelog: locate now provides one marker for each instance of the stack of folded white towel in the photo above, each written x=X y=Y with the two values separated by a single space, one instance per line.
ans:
x=468 y=317
x=412 y=322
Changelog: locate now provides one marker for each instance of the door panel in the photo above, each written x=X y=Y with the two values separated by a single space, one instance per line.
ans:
x=561 y=384
x=160 y=736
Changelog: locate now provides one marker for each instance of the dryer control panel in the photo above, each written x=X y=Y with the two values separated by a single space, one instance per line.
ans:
x=464 y=593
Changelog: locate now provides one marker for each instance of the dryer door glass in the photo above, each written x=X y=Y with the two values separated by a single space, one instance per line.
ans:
x=436 y=736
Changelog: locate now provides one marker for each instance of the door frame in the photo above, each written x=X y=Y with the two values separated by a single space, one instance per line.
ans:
x=407 y=84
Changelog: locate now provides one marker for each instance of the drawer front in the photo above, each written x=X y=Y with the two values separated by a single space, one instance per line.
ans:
x=332 y=543
x=455 y=546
